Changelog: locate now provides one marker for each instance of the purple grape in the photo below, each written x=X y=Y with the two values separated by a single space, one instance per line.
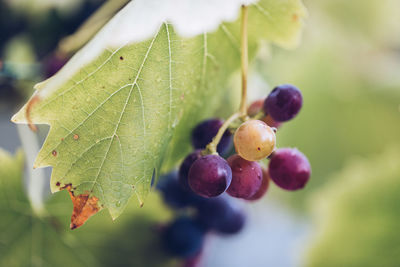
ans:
x=263 y=188
x=283 y=103
x=185 y=166
x=204 y=132
x=174 y=195
x=221 y=215
x=184 y=237
x=210 y=176
x=246 y=177
x=289 y=169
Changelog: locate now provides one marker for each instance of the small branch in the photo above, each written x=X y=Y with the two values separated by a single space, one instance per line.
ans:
x=36 y=181
x=212 y=147
x=244 y=61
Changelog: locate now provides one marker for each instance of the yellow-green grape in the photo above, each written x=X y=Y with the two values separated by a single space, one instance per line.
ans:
x=254 y=140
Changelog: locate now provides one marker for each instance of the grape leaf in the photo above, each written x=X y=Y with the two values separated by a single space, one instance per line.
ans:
x=357 y=215
x=27 y=239
x=112 y=122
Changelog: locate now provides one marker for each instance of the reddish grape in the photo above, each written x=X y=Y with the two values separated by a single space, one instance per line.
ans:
x=246 y=177
x=254 y=140
x=185 y=167
x=203 y=134
x=255 y=107
x=210 y=176
x=289 y=169
x=283 y=103
x=263 y=188
x=271 y=122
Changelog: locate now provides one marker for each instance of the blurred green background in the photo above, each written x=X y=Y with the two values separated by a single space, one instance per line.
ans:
x=348 y=68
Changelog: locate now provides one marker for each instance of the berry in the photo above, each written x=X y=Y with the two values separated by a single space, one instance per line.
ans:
x=246 y=177
x=183 y=238
x=283 y=103
x=263 y=188
x=254 y=140
x=271 y=122
x=210 y=176
x=174 y=194
x=289 y=169
x=255 y=107
x=221 y=215
x=203 y=134
x=185 y=166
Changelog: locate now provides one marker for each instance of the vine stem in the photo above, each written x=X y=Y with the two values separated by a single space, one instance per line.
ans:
x=244 y=62
x=242 y=113
x=212 y=147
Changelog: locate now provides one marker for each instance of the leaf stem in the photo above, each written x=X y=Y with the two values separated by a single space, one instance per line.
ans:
x=212 y=147
x=244 y=62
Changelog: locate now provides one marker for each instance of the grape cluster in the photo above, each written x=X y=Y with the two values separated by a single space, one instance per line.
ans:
x=208 y=174
x=197 y=216
x=204 y=176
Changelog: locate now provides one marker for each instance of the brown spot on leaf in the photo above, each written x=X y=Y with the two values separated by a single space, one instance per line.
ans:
x=62 y=139
x=28 y=110
x=259 y=148
x=182 y=96
x=58 y=184
x=76 y=137
x=54 y=153
x=295 y=17
x=84 y=207
x=121 y=58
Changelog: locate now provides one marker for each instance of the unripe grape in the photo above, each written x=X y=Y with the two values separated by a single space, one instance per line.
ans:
x=204 y=132
x=183 y=238
x=246 y=177
x=289 y=169
x=263 y=188
x=283 y=103
x=254 y=140
x=185 y=167
x=210 y=176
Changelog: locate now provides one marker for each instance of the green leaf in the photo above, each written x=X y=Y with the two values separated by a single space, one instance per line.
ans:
x=357 y=215
x=113 y=122
x=29 y=240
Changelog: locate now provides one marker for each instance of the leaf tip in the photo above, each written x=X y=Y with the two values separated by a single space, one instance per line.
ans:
x=85 y=206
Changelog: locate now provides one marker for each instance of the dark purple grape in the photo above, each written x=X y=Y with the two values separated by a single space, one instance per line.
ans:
x=283 y=103
x=263 y=188
x=246 y=177
x=220 y=214
x=185 y=166
x=289 y=168
x=184 y=237
x=210 y=176
x=174 y=195
x=204 y=132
